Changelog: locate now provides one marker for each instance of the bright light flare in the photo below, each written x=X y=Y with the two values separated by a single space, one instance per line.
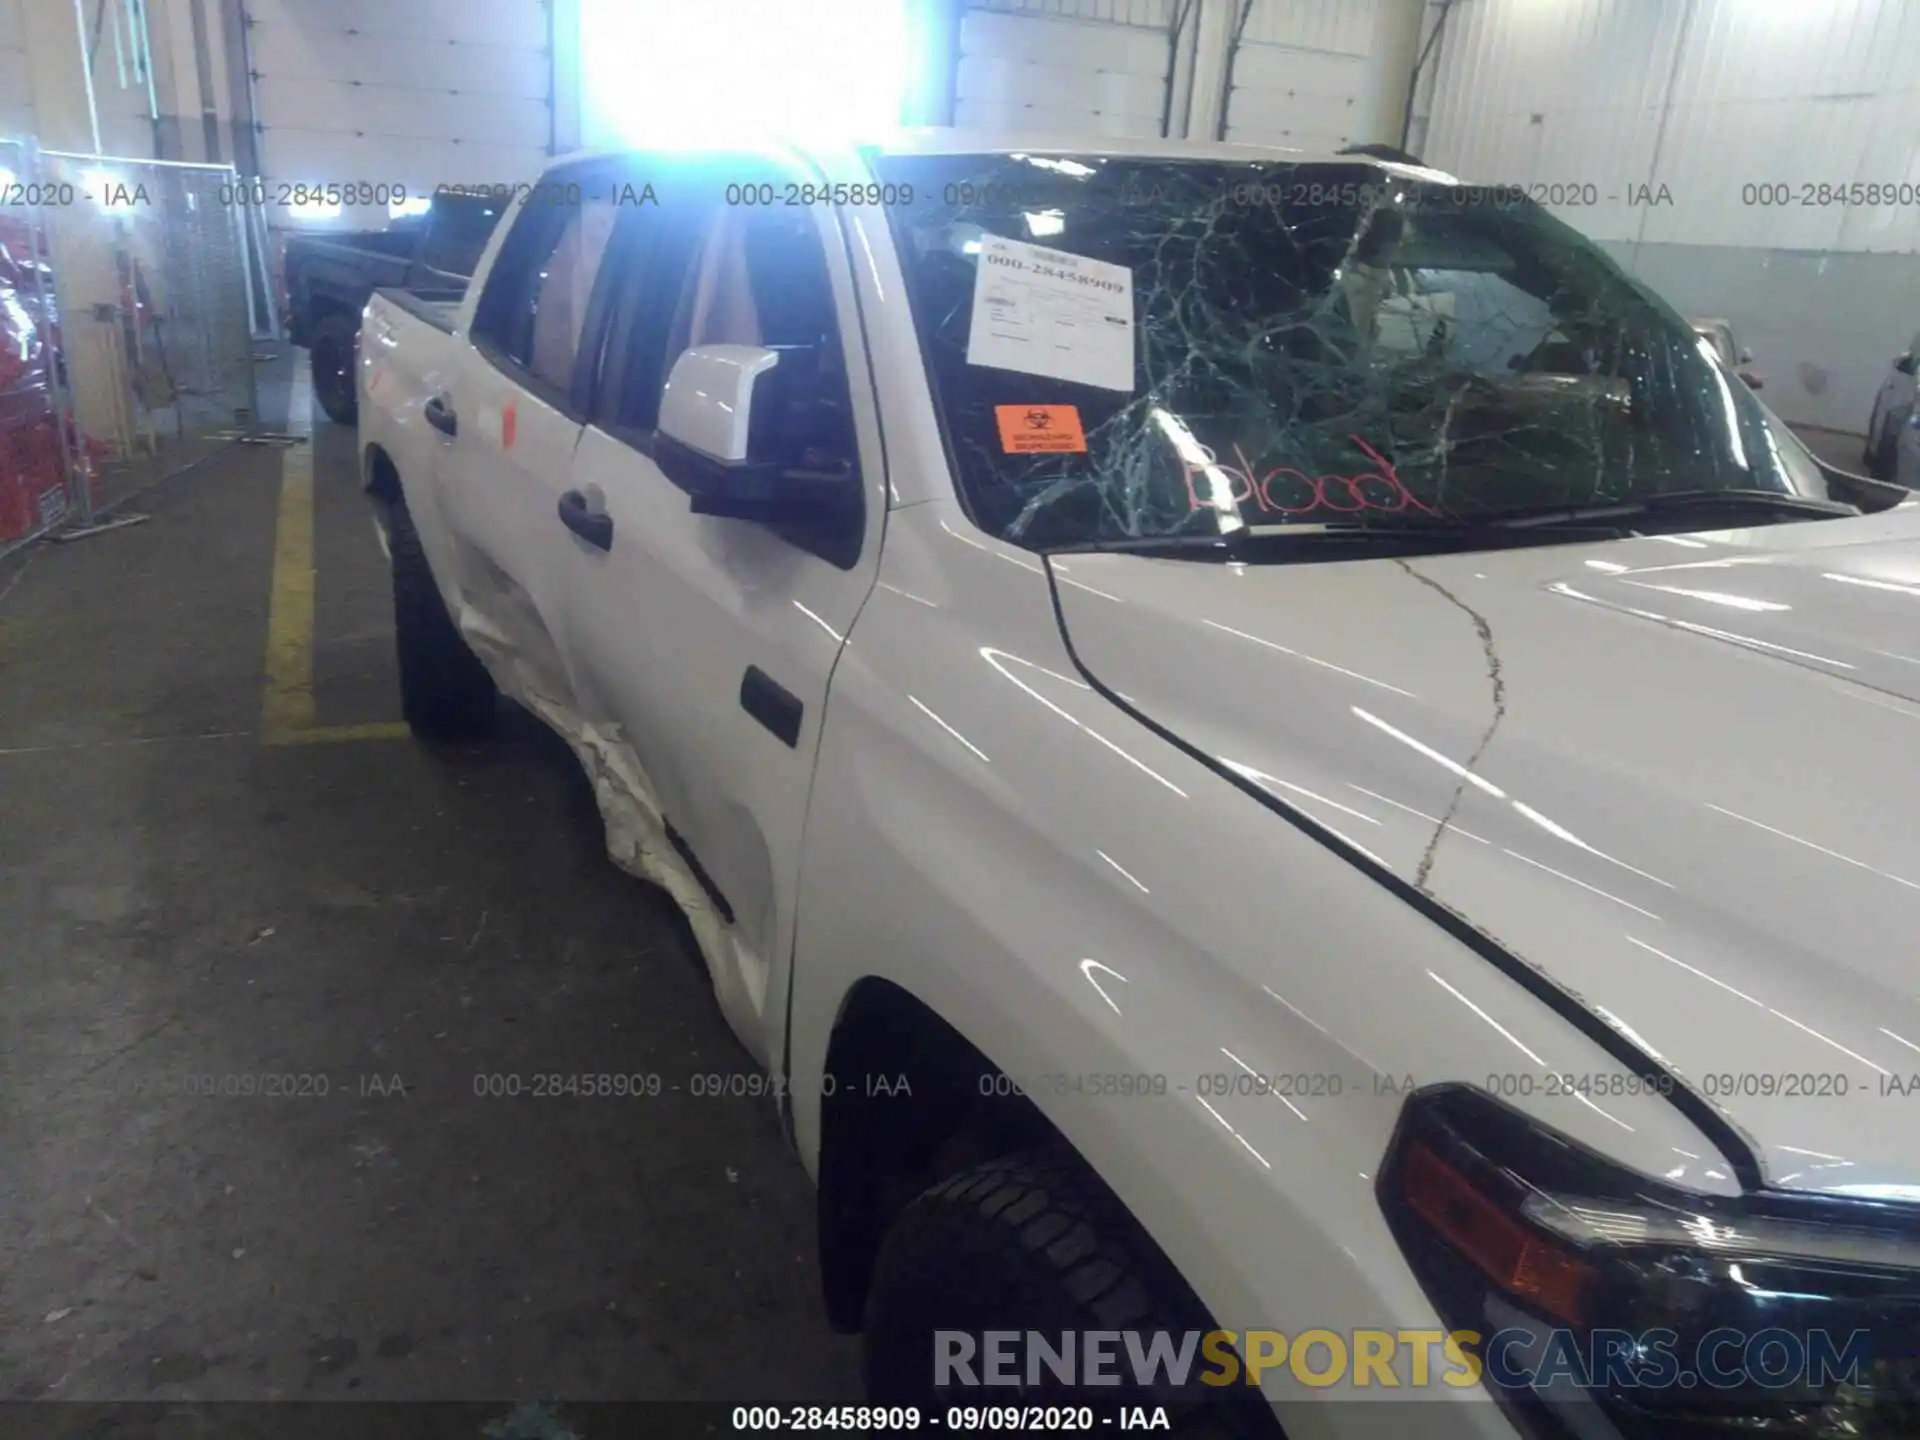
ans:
x=732 y=72
x=109 y=191
x=412 y=205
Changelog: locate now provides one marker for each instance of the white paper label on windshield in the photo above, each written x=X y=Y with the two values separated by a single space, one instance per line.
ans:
x=1045 y=312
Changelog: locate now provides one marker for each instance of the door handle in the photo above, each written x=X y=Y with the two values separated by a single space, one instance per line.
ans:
x=772 y=704
x=440 y=417
x=593 y=526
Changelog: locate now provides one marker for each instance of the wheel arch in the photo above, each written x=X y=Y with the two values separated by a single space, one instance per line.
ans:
x=881 y=1145
x=380 y=476
x=882 y=1149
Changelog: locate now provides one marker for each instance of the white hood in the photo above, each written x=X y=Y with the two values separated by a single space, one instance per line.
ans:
x=1680 y=775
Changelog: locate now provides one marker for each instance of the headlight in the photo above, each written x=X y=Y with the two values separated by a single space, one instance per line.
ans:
x=1611 y=1304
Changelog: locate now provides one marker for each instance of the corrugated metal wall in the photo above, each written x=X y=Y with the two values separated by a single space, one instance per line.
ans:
x=416 y=92
x=1308 y=75
x=16 y=91
x=1074 y=67
x=1695 y=137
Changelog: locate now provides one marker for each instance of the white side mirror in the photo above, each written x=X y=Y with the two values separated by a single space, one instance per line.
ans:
x=708 y=403
x=709 y=446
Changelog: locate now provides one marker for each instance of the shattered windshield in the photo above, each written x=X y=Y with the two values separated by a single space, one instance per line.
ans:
x=1127 y=347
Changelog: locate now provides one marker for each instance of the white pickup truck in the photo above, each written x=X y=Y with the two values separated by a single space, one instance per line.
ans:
x=1256 y=743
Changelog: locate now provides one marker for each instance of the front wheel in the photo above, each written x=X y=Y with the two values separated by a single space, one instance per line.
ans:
x=445 y=692
x=1031 y=1242
x=331 y=354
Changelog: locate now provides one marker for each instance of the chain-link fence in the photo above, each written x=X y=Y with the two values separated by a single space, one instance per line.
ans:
x=150 y=262
x=140 y=271
x=39 y=443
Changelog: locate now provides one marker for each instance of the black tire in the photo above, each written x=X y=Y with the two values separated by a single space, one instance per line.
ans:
x=1883 y=455
x=331 y=353
x=1032 y=1241
x=445 y=692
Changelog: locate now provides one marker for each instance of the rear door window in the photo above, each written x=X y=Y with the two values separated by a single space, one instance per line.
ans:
x=706 y=272
x=532 y=316
x=698 y=270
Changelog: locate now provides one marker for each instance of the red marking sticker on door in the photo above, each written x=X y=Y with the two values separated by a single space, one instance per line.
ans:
x=1040 y=429
x=508 y=420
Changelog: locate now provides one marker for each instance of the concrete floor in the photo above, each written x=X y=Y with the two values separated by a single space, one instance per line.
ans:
x=178 y=900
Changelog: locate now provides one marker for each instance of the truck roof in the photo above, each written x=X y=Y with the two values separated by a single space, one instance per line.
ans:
x=844 y=159
x=1145 y=147
x=1142 y=147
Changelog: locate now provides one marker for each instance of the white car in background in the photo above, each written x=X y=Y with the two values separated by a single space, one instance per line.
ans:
x=1249 y=739
x=1906 y=456
x=1719 y=334
x=1893 y=407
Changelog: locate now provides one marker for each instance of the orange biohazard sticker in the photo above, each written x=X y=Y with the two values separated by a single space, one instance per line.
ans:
x=509 y=422
x=1040 y=429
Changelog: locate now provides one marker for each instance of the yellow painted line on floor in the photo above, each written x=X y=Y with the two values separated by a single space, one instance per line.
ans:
x=331 y=734
x=287 y=707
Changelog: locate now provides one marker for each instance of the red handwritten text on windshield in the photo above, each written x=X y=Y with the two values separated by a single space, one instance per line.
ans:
x=1287 y=491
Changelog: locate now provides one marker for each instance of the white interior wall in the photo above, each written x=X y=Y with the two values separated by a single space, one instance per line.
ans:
x=418 y=92
x=1706 y=98
x=16 y=90
x=201 y=112
x=121 y=97
x=409 y=92
x=1306 y=74
x=1064 y=67
x=43 y=89
x=1317 y=75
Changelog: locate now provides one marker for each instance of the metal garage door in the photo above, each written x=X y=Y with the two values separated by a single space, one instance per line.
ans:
x=1306 y=75
x=412 y=92
x=1073 y=67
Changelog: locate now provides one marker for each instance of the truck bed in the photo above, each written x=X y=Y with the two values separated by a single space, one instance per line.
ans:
x=438 y=308
x=332 y=274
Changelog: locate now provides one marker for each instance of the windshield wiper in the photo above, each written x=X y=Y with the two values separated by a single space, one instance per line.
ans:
x=1497 y=529
x=1227 y=545
x=1264 y=540
x=1772 y=502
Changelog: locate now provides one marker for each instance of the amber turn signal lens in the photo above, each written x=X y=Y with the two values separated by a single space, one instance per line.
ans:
x=1512 y=1256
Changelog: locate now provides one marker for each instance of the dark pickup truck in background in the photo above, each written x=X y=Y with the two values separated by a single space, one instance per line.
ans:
x=330 y=278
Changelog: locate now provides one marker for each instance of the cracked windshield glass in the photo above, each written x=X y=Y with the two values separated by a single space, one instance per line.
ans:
x=1125 y=349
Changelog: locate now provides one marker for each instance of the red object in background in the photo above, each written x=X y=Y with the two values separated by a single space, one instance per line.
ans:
x=33 y=483
x=33 y=490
